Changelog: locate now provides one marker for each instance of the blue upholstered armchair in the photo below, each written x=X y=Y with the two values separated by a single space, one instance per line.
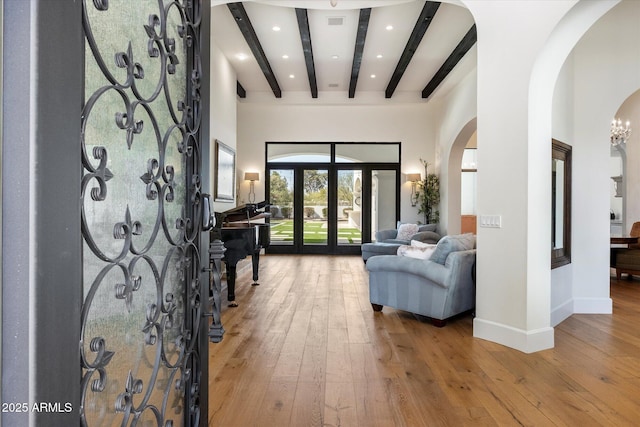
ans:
x=426 y=287
x=388 y=241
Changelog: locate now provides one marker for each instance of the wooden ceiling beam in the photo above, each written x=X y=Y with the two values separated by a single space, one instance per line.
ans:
x=305 y=38
x=240 y=90
x=242 y=19
x=424 y=20
x=363 y=26
x=458 y=53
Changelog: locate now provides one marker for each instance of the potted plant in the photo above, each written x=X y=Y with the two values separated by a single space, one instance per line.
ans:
x=428 y=195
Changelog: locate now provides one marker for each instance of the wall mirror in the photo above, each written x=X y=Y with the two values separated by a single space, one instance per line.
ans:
x=560 y=204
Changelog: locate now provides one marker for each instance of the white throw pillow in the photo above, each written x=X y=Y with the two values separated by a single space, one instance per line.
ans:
x=419 y=244
x=406 y=231
x=416 y=252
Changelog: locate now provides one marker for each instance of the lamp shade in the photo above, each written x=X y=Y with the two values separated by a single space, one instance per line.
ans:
x=251 y=176
x=413 y=177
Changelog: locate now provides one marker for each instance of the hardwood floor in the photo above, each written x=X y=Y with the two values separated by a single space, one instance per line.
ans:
x=306 y=349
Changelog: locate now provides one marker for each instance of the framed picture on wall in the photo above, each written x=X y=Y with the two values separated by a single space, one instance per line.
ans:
x=225 y=172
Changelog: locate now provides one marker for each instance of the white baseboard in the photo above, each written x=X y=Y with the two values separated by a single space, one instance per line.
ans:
x=562 y=312
x=525 y=341
x=593 y=305
x=580 y=306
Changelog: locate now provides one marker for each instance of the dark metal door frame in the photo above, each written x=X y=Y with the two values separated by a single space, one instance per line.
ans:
x=332 y=246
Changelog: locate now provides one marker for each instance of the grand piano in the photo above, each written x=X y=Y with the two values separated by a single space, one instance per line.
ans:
x=242 y=237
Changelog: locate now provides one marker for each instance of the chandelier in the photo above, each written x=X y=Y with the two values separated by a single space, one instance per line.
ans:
x=619 y=133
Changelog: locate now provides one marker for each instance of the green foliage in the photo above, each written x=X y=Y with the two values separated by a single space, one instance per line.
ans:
x=317 y=198
x=286 y=212
x=309 y=212
x=345 y=189
x=314 y=181
x=428 y=194
x=279 y=192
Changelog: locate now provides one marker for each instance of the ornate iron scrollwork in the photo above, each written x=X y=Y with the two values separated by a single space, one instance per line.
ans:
x=141 y=215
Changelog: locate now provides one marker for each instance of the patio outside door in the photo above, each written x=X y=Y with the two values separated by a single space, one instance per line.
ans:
x=327 y=199
x=349 y=204
x=315 y=210
x=299 y=210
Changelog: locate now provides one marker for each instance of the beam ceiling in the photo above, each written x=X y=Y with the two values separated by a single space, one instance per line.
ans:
x=242 y=19
x=363 y=25
x=422 y=23
x=463 y=47
x=305 y=38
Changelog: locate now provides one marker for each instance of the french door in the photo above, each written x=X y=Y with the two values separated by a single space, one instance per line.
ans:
x=329 y=209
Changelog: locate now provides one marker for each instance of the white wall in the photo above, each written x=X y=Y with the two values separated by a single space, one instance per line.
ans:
x=601 y=72
x=513 y=277
x=457 y=113
x=562 y=130
x=411 y=124
x=223 y=110
x=607 y=71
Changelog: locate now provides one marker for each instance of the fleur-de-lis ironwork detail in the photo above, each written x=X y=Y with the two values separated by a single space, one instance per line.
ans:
x=169 y=178
x=152 y=321
x=124 y=401
x=98 y=345
x=102 y=174
x=150 y=178
x=125 y=290
x=169 y=308
x=152 y=50
x=125 y=60
x=132 y=127
x=122 y=230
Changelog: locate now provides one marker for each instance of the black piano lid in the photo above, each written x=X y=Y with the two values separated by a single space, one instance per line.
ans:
x=245 y=212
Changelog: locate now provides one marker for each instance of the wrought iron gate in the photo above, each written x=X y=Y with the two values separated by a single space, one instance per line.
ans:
x=142 y=214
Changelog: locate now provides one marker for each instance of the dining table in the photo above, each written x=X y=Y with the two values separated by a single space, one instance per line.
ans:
x=623 y=240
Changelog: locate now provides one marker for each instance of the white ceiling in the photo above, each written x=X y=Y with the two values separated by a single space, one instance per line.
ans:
x=333 y=47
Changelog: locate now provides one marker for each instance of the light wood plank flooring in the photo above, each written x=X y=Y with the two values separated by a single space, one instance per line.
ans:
x=306 y=349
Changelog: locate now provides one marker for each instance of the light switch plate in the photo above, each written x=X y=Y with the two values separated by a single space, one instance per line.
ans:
x=491 y=221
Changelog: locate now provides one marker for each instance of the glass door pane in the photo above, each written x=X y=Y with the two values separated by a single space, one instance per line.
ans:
x=383 y=200
x=281 y=194
x=316 y=206
x=143 y=305
x=349 y=205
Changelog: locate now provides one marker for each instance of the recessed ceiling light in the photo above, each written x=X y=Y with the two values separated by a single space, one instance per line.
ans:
x=291 y=76
x=275 y=28
x=242 y=56
x=334 y=57
x=378 y=56
x=389 y=27
x=373 y=76
x=285 y=56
